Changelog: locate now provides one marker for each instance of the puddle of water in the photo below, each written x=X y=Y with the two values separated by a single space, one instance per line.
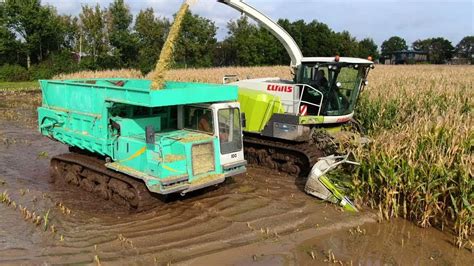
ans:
x=398 y=242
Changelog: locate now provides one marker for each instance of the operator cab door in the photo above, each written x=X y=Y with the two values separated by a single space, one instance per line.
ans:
x=228 y=129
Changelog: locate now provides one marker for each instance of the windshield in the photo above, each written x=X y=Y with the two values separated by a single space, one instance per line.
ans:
x=338 y=82
x=346 y=90
x=198 y=118
x=230 y=132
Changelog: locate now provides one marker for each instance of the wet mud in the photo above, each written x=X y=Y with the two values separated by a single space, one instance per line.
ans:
x=246 y=220
x=349 y=242
x=397 y=242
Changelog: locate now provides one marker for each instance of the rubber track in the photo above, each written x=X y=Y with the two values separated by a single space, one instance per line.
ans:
x=145 y=199
x=307 y=153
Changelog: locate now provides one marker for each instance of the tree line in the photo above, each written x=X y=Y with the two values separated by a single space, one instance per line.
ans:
x=439 y=50
x=37 y=42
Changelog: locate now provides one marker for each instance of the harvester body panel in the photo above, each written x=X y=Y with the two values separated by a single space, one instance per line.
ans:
x=258 y=107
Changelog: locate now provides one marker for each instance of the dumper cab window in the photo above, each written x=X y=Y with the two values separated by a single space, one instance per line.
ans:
x=230 y=134
x=199 y=119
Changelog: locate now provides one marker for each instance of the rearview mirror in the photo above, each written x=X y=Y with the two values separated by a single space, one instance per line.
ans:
x=243 y=120
x=150 y=135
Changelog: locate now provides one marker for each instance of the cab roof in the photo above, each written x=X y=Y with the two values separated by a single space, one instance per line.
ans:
x=349 y=60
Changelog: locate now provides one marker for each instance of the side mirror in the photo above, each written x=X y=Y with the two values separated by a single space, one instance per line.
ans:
x=243 y=120
x=150 y=135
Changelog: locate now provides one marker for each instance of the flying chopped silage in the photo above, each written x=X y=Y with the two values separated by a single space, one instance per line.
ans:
x=166 y=54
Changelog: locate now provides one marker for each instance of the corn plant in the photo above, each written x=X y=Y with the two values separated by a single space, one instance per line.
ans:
x=420 y=163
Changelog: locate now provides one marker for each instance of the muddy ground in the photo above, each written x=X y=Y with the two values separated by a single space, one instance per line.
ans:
x=259 y=218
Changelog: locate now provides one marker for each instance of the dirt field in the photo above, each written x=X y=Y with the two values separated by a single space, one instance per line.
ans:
x=259 y=218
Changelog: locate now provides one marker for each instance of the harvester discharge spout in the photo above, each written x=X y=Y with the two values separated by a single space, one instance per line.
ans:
x=319 y=185
x=288 y=42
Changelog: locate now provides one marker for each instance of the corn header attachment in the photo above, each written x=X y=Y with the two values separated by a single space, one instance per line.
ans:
x=319 y=185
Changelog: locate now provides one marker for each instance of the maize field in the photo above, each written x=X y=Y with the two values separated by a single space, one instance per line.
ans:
x=420 y=163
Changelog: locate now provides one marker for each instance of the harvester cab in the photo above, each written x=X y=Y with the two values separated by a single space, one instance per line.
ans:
x=330 y=86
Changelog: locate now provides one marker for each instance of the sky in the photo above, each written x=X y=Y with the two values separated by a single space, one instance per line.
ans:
x=378 y=19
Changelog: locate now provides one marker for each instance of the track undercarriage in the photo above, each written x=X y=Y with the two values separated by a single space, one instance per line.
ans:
x=90 y=174
x=293 y=158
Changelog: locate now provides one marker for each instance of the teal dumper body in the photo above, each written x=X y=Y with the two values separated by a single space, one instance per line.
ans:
x=136 y=129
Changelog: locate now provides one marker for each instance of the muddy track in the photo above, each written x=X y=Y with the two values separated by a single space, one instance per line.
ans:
x=243 y=210
x=260 y=206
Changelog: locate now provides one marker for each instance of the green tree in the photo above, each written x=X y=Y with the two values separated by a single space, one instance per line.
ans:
x=71 y=32
x=36 y=26
x=270 y=48
x=393 y=44
x=242 y=43
x=151 y=32
x=9 y=46
x=367 y=47
x=439 y=49
x=421 y=45
x=249 y=44
x=465 y=48
x=346 y=44
x=93 y=34
x=320 y=40
x=123 y=41
x=297 y=30
x=317 y=39
x=196 y=43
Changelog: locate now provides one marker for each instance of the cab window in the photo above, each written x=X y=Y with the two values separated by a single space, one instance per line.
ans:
x=230 y=131
x=199 y=119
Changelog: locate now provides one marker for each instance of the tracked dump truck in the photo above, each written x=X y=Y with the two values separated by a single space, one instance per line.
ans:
x=127 y=140
x=285 y=117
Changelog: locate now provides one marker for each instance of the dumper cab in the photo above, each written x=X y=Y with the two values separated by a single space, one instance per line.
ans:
x=181 y=138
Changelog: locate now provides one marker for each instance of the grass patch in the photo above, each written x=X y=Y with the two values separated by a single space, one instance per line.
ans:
x=19 y=86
